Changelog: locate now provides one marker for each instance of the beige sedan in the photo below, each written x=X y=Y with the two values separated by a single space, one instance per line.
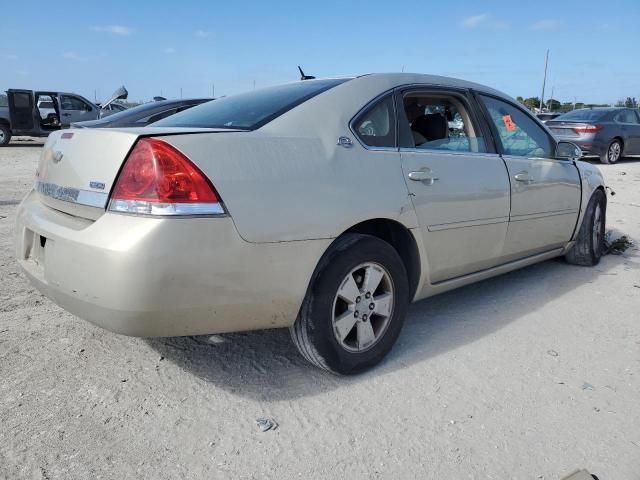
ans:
x=325 y=206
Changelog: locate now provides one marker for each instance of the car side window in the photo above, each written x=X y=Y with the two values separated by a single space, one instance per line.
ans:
x=73 y=103
x=627 y=116
x=376 y=126
x=440 y=121
x=519 y=134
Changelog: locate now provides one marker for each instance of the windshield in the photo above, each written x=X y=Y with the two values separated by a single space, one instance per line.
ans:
x=251 y=110
x=586 y=115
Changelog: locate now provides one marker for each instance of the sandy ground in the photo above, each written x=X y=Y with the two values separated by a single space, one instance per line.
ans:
x=526 y=376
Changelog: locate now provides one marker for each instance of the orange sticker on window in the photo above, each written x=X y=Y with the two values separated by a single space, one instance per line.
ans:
x=509 y=123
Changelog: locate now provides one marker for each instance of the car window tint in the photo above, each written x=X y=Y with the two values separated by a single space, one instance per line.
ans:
x=626 y=116
x=519 y=134
x=250 y=110
x=21 y=100
x=583 y=115
x=73 y=103
x=376 y=126
x=441 y=122
x=156 y=116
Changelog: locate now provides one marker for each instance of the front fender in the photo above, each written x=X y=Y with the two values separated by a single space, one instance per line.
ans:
x=591 y=179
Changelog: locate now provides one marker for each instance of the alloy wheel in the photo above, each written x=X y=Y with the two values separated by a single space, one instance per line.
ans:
x=614 y=152
x=596 y=233
x=362 y=307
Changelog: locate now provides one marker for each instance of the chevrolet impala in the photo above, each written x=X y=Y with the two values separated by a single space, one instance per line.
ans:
x=324 y=206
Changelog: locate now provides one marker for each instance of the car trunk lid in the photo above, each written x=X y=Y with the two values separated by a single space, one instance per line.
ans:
x=78 y=167
x=565 y=128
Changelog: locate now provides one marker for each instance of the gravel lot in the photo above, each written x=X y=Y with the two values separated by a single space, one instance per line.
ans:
x=526 y=376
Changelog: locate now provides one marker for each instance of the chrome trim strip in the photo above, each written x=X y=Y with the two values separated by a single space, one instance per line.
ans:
x=467 y=223
x=72 y=195
x=535 y=216
x=138 y=207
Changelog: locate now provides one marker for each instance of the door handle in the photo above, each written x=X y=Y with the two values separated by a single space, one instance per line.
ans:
x=422 y=176
x=523 y=177
x=66 y=114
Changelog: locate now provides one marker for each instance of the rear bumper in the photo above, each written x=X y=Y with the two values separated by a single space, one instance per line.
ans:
x=151 y=277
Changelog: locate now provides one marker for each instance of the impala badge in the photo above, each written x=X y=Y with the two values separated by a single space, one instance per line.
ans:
x=96 y=185
x=57 y=156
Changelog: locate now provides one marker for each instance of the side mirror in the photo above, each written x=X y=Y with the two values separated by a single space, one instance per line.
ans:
x=568 y=151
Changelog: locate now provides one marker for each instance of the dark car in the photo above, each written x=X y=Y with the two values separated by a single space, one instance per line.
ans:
x=142 y=115
x=607 y=133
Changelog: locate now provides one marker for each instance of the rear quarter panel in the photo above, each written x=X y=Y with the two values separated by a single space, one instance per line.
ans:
x=296 y=188
x=291 y=181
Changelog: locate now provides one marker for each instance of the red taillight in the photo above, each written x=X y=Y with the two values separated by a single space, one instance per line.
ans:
x=588 y=129
x=157 y=179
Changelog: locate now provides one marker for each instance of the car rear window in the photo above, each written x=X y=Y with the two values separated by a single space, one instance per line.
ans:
x=250 y=110
x=583 y=115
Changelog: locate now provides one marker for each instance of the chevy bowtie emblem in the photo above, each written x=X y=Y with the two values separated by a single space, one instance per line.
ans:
x=57 y=156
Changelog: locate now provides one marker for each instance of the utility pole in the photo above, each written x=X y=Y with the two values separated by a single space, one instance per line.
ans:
x=552 y=89
x=254 y=84
x=213 y=90
x=544 y=81
x=180 y=93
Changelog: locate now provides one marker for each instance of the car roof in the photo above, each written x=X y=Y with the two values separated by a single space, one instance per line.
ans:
x=401 y=79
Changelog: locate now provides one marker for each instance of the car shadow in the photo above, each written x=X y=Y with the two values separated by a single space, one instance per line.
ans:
x=265 y=366
x=23 y=144
x=622 y=160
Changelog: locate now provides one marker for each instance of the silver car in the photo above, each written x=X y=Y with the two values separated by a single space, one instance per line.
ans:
x=606 y=133
x=324 y=206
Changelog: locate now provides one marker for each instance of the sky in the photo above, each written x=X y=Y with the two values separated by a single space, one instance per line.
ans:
x=194 y=48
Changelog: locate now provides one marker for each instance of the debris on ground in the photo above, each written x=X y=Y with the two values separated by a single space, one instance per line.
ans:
x=616 y=246
x=266 y=424
x=553 y=353
x=587 y=386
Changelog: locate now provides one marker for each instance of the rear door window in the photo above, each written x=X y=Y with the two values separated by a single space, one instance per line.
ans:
x=627 y=116
x=440 y=121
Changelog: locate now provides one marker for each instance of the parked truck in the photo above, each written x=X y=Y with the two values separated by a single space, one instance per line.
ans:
x=38 y=113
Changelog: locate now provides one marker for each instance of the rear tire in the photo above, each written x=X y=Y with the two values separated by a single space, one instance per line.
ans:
x=355 y=306
x=5 y=135
x=589 y=245
x=613 y=153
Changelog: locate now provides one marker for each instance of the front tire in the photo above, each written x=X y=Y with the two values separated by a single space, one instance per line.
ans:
x=613 y=153
x=589 y=245
x=5 y=135
x=355 y=307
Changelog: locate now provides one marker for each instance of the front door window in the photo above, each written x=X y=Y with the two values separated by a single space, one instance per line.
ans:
x=519 y=134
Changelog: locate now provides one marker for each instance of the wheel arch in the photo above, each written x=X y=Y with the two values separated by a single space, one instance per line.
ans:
x=395 y=234
x=621 y=140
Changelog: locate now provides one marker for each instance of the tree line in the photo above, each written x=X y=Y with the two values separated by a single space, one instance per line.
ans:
x=553 y=105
